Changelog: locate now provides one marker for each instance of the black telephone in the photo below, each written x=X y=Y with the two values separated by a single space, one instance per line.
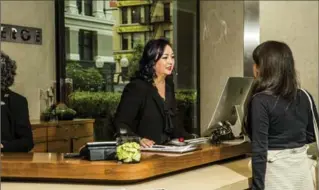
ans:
x=221 y=132
x=94 y=151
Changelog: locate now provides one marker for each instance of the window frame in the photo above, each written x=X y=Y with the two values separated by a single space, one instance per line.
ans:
x=126 y=15
x=167 y=15
x=61 y=55
x=83 y=36
x=139 y=17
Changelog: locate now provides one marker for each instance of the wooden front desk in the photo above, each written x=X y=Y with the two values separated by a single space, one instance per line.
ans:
x=62 y=136
x=225 y=175
x=53 y=166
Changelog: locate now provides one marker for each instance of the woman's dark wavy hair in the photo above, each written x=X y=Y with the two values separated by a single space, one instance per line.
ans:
x=277 y=74
x=8 y=71
x=153 y=51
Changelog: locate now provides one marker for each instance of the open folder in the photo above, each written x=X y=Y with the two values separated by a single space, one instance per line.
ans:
x=171 y=149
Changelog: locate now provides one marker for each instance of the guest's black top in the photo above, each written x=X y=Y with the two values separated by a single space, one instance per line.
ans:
x=143 y=112
x=16 y=132
x=274 y=124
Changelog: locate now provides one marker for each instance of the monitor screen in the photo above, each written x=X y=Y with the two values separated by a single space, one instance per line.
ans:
x=232 y=104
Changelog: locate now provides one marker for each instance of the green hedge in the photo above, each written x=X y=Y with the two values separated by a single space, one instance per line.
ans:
x=94 y=104
x=104 y=104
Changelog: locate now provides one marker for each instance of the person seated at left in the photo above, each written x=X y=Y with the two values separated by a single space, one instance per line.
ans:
x=16 y=132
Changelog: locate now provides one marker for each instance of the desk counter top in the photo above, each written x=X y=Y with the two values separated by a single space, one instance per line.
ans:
x=55 y=166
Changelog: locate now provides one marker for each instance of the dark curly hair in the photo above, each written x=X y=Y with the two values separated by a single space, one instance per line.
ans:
x=153 y=51
x=8 y=71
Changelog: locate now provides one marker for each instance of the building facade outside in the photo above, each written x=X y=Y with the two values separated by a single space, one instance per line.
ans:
x=88 y=31
x=136 y=23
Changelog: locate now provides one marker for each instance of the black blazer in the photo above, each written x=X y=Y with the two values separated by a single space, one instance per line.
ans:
x=16 y=132
x=143 y=112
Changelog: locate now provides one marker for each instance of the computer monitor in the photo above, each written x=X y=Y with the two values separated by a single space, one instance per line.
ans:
x=232 y=104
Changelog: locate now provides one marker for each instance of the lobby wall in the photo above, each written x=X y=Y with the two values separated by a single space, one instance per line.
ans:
x=36 y=63
x=221 y=47
x=294 y=22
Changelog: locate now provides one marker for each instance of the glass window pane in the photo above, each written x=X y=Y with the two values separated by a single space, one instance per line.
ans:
x=167 y=11
x=88 y=7
x=125 y=39
x=124 y=15
x=136 y=14
x=103 y=56
x=136 y=39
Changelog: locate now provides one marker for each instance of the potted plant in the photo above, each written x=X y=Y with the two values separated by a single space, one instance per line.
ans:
x=59 y=111
x=64 y=113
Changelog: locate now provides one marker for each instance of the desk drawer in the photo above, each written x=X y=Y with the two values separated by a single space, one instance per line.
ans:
x=62 y=146
x=58 y=132
x=39 y=134
x=40 y=147
x=79 y=142
x=82 y=130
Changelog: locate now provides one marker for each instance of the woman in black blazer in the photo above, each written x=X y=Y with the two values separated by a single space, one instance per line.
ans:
x=16 y=133
x=148 y=107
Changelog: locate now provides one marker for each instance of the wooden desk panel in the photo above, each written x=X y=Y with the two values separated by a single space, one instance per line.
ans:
x=54 y=166
x=226 y=175
x=62 y=136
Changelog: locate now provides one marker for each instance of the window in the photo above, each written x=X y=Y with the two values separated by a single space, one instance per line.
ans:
x=101 y=52
x=136 y=39
x=67 y=40
x=88 y=8
x=167 y=12
x=147 y=14
x=86 y=45
x=79 y=5
x=148 y=36
x=124 y=15
x=167 y=34
x=125 y=41
x=136 y=14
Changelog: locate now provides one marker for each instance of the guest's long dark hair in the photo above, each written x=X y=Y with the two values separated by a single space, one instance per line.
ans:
x=277 y=74
x=153 y=51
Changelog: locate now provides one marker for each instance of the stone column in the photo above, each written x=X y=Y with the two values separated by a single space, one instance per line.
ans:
x=98 y=7
x=109 y=10
x=74 y=53
x=71 y=7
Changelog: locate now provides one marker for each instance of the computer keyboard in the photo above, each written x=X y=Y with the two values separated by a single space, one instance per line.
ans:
x=200 y=140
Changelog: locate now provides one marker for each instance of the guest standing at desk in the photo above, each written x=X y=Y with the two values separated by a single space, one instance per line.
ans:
x=148 y=106
x=16 y=133
x=280 y=122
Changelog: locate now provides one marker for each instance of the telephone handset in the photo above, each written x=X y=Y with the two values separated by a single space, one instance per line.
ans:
x=96 y=151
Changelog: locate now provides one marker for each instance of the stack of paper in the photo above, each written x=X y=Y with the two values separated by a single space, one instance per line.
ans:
x=172 y=149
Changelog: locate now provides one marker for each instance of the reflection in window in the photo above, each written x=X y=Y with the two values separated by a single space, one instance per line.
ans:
x=79 y=6
x=125 y=38
x=124 y=15
x=96 y=49
x=136 y=39
x=147 y=14
x=136 y=14
x=86 y=45
x=167 y=34
x=148 y=36
x=88 y=8
x=167 y=12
